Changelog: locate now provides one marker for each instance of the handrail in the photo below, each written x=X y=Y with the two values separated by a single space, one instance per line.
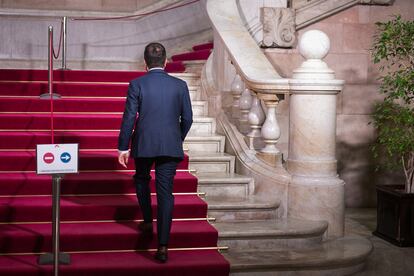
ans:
x=308 y=15
x=139 y=15
x=250 y=62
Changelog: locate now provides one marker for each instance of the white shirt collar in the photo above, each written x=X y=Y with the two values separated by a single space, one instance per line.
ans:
x=155 y=68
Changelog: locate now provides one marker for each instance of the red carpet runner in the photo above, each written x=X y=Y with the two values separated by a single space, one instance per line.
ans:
x=99 y=209
x=200 y=52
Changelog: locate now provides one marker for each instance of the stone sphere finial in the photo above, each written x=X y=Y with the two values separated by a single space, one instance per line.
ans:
x=314 y=44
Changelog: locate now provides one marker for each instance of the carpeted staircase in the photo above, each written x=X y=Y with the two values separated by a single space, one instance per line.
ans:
x=195 y=59
x=99 y=210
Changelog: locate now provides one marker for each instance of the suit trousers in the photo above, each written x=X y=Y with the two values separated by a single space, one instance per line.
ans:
x=165 y=170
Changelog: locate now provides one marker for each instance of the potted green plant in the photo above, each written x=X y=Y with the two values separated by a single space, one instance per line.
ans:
x=393 y=118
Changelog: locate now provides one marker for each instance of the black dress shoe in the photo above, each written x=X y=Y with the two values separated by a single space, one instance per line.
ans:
x=162 y=254
x=145 y=227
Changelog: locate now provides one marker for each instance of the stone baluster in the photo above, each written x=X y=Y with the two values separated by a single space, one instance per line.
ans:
x=315 y=192
x=270 y=131
x=245 y=105
x=256 y=118
x=236 y=90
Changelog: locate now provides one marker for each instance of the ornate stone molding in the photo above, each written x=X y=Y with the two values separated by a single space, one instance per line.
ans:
x=377 y=2
x=278 y=27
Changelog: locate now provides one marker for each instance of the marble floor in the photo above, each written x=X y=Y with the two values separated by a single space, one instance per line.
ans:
x=386 y=259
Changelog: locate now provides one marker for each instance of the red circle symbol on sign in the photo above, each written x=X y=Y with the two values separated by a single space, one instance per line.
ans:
x=48 y=157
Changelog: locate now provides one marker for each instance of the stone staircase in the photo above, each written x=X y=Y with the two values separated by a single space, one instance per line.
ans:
x=259 y=241
x=311 y=11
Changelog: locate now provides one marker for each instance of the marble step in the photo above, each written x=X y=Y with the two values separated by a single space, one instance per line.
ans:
x=202 y=125
x=225 y=184
x=193 y=88
x=195 y=93
x=200 y=108
x=343 y=256
x=243 y=208
x=192 y=79
x=205 y=143
x=270 y=234
x=194 y=66
x=211 y=162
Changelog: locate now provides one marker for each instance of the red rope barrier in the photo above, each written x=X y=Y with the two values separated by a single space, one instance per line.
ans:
x=51 y=56
x=136 y=15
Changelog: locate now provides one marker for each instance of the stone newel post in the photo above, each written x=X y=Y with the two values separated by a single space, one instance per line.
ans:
x=316 y=192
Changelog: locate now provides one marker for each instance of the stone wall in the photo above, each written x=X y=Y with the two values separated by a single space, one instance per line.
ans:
x=351 y=33
x=106 y=45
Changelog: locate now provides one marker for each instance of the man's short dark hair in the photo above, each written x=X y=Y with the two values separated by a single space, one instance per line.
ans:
x=155 y=55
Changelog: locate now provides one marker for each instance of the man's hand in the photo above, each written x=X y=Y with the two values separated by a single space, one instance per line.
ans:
x=123 y=158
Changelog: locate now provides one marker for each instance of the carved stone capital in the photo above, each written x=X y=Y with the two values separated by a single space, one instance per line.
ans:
x=268 y=97
x=376 y=2
x=278 y=27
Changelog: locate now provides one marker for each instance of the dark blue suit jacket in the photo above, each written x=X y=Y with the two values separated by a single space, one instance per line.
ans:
x=163 y=105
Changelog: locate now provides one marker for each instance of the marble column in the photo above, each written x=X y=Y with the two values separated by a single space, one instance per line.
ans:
x=316 y=192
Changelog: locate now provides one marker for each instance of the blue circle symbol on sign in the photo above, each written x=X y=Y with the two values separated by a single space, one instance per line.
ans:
x=65 y=157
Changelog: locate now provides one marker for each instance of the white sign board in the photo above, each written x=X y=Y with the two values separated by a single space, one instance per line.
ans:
x=57 y=158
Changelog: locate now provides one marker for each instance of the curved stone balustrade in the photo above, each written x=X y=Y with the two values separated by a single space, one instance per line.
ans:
x=315 y=191
x=271 y=183
x=255 y=69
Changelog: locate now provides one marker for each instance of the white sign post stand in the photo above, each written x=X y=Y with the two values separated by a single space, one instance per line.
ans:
x=57 y=160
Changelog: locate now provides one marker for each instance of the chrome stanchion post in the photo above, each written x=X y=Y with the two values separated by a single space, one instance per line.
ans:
x=56 y=257
x=64 y=45
x=50 y=61
x=50 y=67
x=56 y=224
